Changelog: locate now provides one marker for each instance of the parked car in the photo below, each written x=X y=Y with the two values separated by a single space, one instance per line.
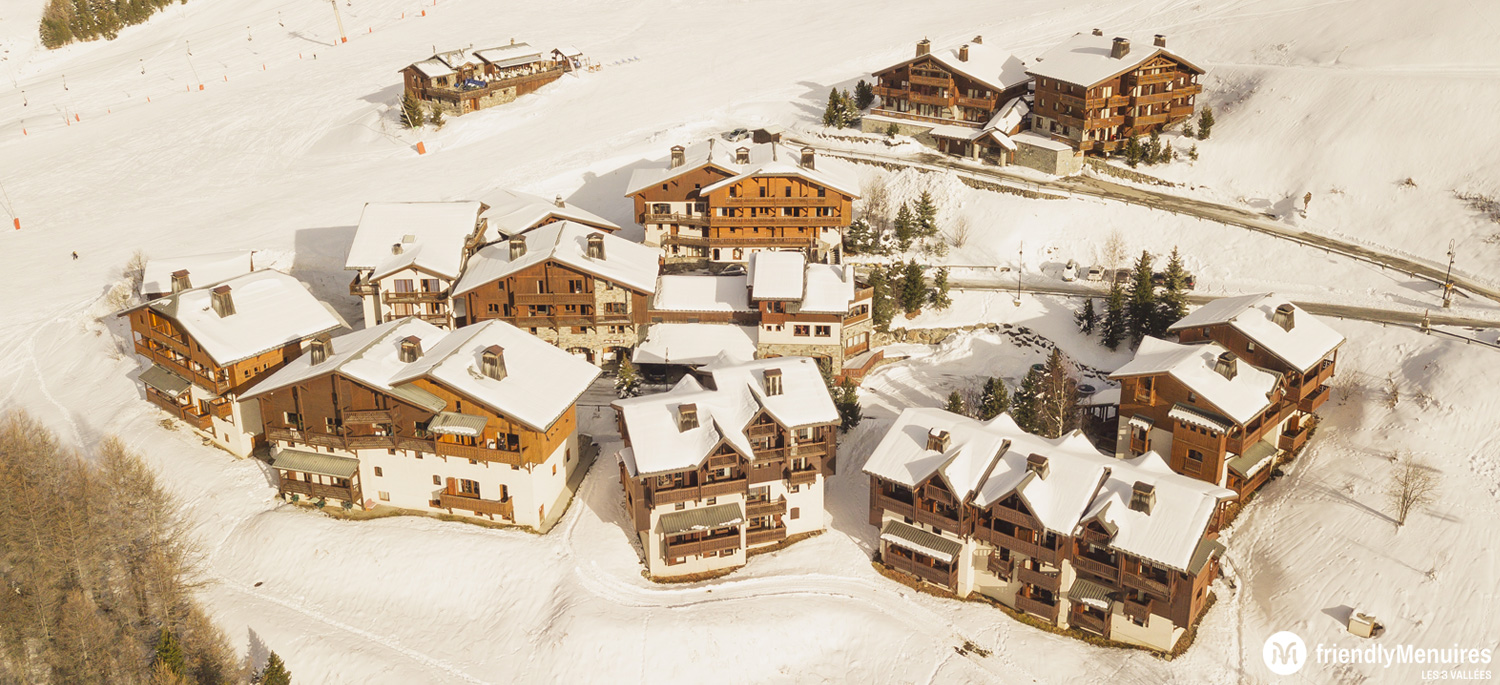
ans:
x=737 y=135
x=1070 y=271
x=1095 y=274
x=1122 y=276
x=733 y=270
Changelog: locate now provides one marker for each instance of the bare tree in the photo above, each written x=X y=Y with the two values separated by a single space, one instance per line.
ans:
x=1392 y=392
x=1057 y=403
x=1115 y=252
x=876 y=202
x=958 y=235
x=1413 y=486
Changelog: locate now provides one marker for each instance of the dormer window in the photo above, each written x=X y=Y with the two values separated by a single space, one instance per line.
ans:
x=1143 y=497
x=411 y=349
x=1037 y=464
x=687 y=417
x=938 y=440
x=320 y=349
x=223 y=303
x=492 y=362
x=773 y=382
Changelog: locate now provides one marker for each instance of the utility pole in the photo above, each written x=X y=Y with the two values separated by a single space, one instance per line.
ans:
x=1448 y=279
x=342 y=38
x=1020 y=260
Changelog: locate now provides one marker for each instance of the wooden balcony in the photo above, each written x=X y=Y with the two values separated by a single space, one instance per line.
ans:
x=370 y=442
x=935 y=100
x=1037 y=607
x=1314 y=400
x=805 y=476
x=933 y=518
x=763 y=536
x=1002 y=568
x=1291 y=440
x=1019 y=546
x=360 y=288
x=688 y=240
x=222 y=409
x=1098 y=568
x=1155 y=98
x=314 y=491
x=764 y=241
x=188 y=413
x=305 y=437
x=456 y=95
x=941 y=81
x=732 y=486
x=718 y=543
x=413 y=297
x=1089 y=622
x=367 y=416
x=415 y=444
x=198 y=378
x=881 y=501
x=1148 y=79
x=890 y=93
x=1148 y=120
x=916 y=568
x=675 y=218
x=503 y=508
x=529 y=299
x=696 y=492
x=483 y=454
x=766 y=507
x=1014 y=516
x=977 y=103
x=781 y=201
x=1145 y=584
x=763 y=430
x=816 y=448
x=1139 y=611
x=768 y=221
x=1046 y=581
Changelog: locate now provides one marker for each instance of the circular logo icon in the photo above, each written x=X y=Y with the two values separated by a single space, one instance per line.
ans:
x=1285 y=653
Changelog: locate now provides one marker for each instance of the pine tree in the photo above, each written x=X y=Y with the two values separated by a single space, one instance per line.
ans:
x=1057 y=403
x=435 y=116
x=411 y=112
x=883 y=302
x=1023 y=405
x=906 y=226
x=956 y=404
x=1140 y=308
x=850 y=413
x=1114 y=326
x=864 y=95
x=833 y=112
x=913 y=288
x=1153 y=148
x=926 y=216
x=893 y=130
x=1168 y=155
x=848 y=110
x=860 y=238
x=274 y=673
x=939 y=297
x=995 y=399
x=1205 y=122
x=1087 y=318
x=169 y=653
x=1133 y=151
x=627 y=380
x=1193 y=152
x=1172 y=305
x=1188 y=131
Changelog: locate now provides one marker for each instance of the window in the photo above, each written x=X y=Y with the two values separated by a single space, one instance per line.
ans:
x=823 y=331
x=802 y=331
x=468 y=487
x=1250 y=347
x=795 y=488
x=431 y=285
x=379 y=472
x=711 y=501
x=554 y=469
x=403 y=285
x=680 y=506
x=762 y=191
x=796 y=513
x=614 y=307
x=385 y=496
x=292 y=419
x=436 y=480
x=788 y=190
x=331 y=424
x=493 y=308
x=575 y=285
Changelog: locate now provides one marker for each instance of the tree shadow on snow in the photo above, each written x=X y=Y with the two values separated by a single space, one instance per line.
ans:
x=259 y=653
x=385 y=96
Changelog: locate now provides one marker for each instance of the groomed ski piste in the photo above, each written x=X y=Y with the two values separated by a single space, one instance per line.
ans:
x=292 y=132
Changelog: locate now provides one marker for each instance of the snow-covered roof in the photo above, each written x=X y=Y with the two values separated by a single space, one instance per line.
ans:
x=541 y=381
x=987 y=64
x=202 y=269
x=512 y=212
x=776 y=275
x=829 y=288
x=765 y=159
x=568 y=51
x=370 y=356
x=657 y=445
x=1034 y=140
x=271 y=309
x=1240 y=399
x=702 y=294
x=509 y=55
x=989 y=461
x=694 y=344
x=1307 y=342
x=625 y=263
x=1085 y=59
x=432 y=68
x=431 y=235
x=1009 y=116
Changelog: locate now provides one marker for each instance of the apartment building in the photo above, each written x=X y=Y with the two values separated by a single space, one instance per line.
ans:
x=407 y=255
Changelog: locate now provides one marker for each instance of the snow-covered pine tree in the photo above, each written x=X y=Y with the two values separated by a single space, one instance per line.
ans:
x=926 y=215
x=883 y=302
x=1140 y=308
x=1188 y=131
x=833 y=111
x=1087 y=318
x=1114 y=327
x=1023 y=405
x=274 y=673
x=893 y=130
x=1192 y=152
x=864 y=95
x=906 y=226
x=627 y=380
x=435 y=116
x=1172 y=305
x=995 y=399
x=1153 y=148
x=849 y=113
x=860 y=238
x=411 y=112
x=913 y=288
x=850 y=413
x=956 y=404
x=1168 y=155
x=1133 y=151
x=939 y=295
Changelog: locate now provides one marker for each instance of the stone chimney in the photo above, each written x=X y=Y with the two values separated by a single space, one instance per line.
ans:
x=687 y=417
x=1037 y=464
x=1143 y=497
x=396 y=248
x=742 y=155
x=492 y=362
x=1227 y=365
x=223 y=303
x=679 y=156
x=924 y=47
x=938 y=440
x=559 y=201
x=963 y=52
x=808 y=156
x=180 y=281
x=773 y=382
x=1098 y=32
x=411 y=349
x=1121 y=48
x=978 y=40
x=1161 y=40
x=517 y=247
x=320 y=349
x=596 y=246
x=1284 y=317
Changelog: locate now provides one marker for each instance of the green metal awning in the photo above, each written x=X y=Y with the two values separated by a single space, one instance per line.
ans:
x=451 y=423
x=165 y=382
x=1207 y=549
x=311 y=462
x=702 y=518
x=419 y=397
x=920 y=541
x=1246 y=463
x=1090 y=593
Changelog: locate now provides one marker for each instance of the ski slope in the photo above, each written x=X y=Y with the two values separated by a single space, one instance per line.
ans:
x=292 y=132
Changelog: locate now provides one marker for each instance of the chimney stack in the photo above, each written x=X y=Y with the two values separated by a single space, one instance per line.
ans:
x=517 y=247
x=1121 y=48
x=492 y=362
x=396 y=248
x=411 y=349
x=808 y=155
x=679 y=156
x=558 y=201
x=1227 y=365
x=180 y=281
x=1143 y=497
x=1098 y=32
x=320 y=349
x=1037 y=464
x=978 y=40
x=1161 y=40
x=773 y=382
x=938 y=440
x=596 y=246
x=687 y=417
x=924 y=47
x=742 y=155
x=963 y=52
x=1284 y=317
x=223 y=304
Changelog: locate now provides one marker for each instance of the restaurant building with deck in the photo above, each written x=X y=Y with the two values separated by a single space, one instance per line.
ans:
x=467 y=80
x=208 y=345
x=722 y=202
x=733 y=459
x=1121 y=548
x=478 y=421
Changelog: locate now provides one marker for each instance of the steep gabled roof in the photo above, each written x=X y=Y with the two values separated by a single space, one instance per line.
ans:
x=702 y=294
x=202 y=269
x=1085 y=59
x=994 y=67
x=817 y=288
x=625 y=263
x=1302 y=347
x=370 y=356
x=512 y=212
x=765 y=159
x=432 y=236
x=1240 y=399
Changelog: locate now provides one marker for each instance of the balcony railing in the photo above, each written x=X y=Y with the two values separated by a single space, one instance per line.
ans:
x=527 y=299
x=1046 y=581
x=1015 y=516
x=1145 y=584
x=454 y=94
x=1291 y=440
x=182 y=369
x=1087 y=621
x=763 y=536
x=697 y=492
x=768 y=507
x=449 y=449
x=921 y=80
x=1139 y=611
x=1019 y=546
x=916 y=568
x=763 y=430
x=1109 y=572
x=1002 y=568
x=413 y=296
x=1315 y=400
x=1037 y=607
x=933 y=518
x=779 y=201
x=978 y=103
x=369 y=442
x=805 y=476
x=504 y=508
x=367 y=416
x=718 y=543
x=317 y=490
x=807 y=221
x=675 y=218
x=188 y=413
x=360 y=288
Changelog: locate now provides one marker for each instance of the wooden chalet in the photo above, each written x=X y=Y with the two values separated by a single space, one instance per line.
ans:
x=466 y=80
x=1095 y=93
x=407 y=255
x=723 y=202
x=714 y=469
x=1123 y=549
x=478 y=421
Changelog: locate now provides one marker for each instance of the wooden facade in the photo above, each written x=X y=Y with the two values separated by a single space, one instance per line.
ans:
x=554 y=295
x=1103 y=116
x=927 y=92
x=467 y=82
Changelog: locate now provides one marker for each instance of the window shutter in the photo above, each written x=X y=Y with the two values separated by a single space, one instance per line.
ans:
x=453 y=486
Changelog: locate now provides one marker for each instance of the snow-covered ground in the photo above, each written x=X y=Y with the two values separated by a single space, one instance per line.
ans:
x=290 y=136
